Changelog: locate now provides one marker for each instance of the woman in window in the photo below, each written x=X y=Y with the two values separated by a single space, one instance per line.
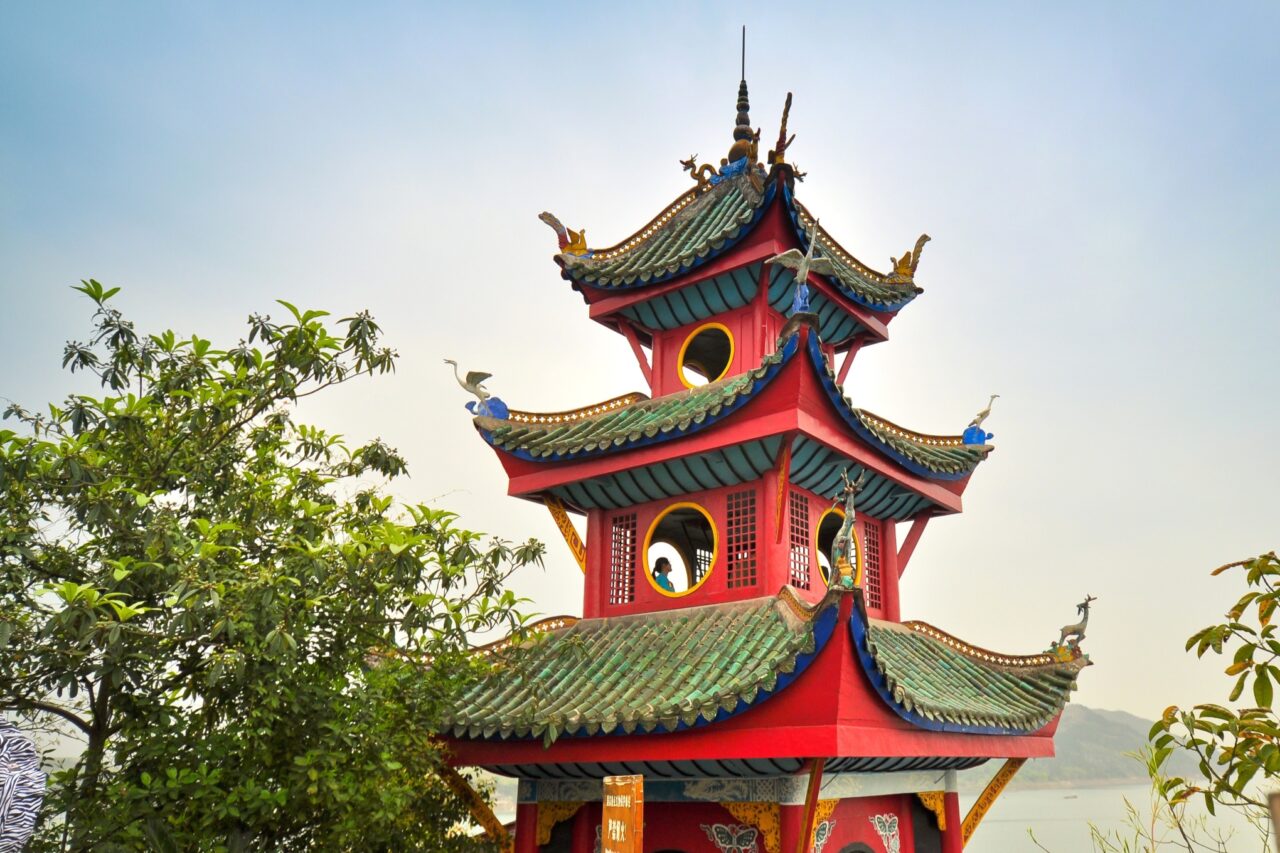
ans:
x=661 y=569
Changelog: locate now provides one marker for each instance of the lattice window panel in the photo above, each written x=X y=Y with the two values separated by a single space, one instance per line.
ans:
x=740 y=539
x=799 y=539
x=701 y=564
x=873 y=578
x=622 y=560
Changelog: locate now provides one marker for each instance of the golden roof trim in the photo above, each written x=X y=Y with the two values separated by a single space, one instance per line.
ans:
x=977 y=652
x=551 y=623
x=911 y=435
x=580 y=414
x=641 y=235
x=828 y=244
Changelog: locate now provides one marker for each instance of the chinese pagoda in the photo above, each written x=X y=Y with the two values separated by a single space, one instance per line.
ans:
x=741 y=644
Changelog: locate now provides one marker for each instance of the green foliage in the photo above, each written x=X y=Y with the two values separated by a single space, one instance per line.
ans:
x=1233 y=746
x=251 y=640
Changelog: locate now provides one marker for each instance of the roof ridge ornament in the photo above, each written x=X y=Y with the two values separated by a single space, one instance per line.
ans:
x=777 y=155
x=703 y=175
x=904 y=271
x=846 y=555
x=974 y=433
x=571 y=242
x=1067 y=647
x=485 y=405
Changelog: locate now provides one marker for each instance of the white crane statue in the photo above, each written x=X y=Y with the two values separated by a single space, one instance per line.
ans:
x=984 y=414
x=802 y=265
x=486 y=404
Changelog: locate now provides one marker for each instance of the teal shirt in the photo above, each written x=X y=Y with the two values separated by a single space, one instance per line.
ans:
x=664 y=581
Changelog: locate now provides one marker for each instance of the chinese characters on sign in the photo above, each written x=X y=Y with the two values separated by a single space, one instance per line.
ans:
x=622 y=824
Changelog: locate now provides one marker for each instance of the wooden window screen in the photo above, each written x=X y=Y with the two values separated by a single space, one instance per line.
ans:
x=872 y=582
x=701 y=564
x=622 y=560
x=740 y=539
x=799 y=538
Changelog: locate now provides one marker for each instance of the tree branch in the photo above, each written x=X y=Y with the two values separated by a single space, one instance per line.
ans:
x=34 y=705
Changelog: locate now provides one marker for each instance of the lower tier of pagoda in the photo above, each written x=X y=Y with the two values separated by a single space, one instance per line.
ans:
x=756 y=688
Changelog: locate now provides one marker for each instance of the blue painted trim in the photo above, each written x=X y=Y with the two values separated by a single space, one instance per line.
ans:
x=766 y=199
x=794 y=215
x=858 y=630
x=824 y=625
x=837 y=399
x=788 y=352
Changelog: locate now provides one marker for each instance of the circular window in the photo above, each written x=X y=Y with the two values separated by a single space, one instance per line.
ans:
x=705 y=355
x=824 y=538
x=680 y=549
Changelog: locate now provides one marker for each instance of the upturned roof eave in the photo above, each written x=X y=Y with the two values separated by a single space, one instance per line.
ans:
x=776 y=191
x=788 y=409
x=829 y=708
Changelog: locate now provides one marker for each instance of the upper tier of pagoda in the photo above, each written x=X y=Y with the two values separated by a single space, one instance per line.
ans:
x=706 y=254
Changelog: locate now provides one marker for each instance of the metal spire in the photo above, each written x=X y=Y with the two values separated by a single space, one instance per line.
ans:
x=742 y=127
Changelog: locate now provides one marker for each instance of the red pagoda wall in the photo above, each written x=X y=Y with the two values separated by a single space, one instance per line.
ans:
x=682 y=827
x=751 y=558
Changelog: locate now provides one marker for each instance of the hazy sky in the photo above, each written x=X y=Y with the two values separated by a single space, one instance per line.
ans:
x=1100 y=181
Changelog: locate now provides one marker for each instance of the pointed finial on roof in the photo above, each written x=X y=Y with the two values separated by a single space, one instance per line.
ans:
x=744 y=138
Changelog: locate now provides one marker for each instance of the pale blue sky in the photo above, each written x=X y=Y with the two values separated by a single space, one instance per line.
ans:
x=1100 y=181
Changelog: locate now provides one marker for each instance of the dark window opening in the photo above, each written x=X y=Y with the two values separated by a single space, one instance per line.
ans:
x=828 y=530
x=705 y=356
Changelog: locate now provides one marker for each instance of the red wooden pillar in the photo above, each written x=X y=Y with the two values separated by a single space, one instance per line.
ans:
x=889 y=570
x=526 y=828
x=598 y=543
x=792 y=824
x=772 y=521
x=953 y=835
x=583 y=837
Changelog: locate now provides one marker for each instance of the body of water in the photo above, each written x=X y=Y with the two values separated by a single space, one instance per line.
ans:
x=1060 y=819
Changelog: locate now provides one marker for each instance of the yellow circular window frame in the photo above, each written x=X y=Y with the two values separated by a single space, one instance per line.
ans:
x=648 y=540
x=685 y=346
x=857 y=544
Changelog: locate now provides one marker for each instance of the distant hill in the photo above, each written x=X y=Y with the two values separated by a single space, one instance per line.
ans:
x=1091 y=750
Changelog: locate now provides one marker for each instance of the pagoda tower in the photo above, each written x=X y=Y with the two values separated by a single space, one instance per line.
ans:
x=741 y=643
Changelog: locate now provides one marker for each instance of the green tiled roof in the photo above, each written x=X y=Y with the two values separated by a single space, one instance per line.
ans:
x=700 y=223
x=646 y=420
x=941 y=454
x=643 y=673
x=947 y=683
x=693 y=226
x=946 y=456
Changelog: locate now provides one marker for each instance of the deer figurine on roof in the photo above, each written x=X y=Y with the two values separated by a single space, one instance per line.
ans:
x=1072 y=635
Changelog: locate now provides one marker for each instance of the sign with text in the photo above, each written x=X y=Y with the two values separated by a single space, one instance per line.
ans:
x=622 y=824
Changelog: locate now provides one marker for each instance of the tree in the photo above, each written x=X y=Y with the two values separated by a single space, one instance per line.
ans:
x=1231 y=747
x=1234 y=746
x=251 y=639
